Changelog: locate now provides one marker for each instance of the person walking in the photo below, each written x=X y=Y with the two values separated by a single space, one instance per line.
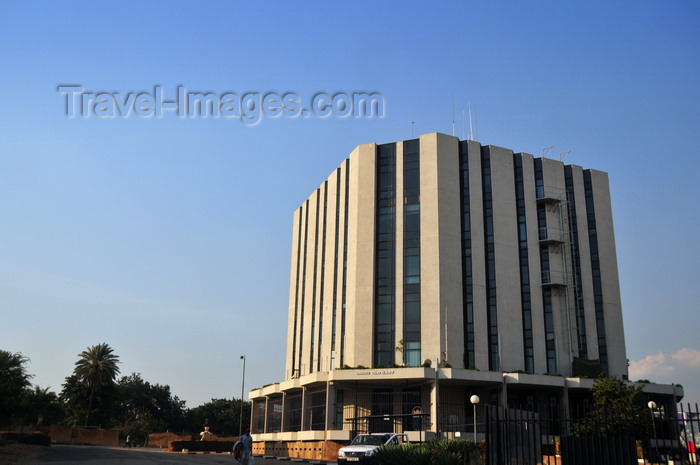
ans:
x=246 y=447
x=237 y=450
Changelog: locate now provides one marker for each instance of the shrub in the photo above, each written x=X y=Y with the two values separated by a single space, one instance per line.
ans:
x=462 y=450
x=404 y=455
x=437 y=451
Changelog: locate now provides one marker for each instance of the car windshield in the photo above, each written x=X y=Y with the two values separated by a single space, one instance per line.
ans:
x=370 y=440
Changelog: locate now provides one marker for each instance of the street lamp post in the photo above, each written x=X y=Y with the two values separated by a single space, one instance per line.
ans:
x=652 y=407
x=475 y=400
x=240 y=415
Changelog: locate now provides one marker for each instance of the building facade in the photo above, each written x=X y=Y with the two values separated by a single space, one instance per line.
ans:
x=432 y=269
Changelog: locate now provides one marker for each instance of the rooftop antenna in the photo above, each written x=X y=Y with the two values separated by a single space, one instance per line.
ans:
x=463 y=124
x=471 y=133
x=563 y=154
x=446 y=341
x=453 y=114
x=476 y=125
x=544 y=150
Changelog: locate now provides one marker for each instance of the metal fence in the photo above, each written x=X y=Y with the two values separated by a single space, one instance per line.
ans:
x=519 y=437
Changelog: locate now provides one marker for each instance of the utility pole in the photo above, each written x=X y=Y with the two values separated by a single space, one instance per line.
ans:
x=240 y=415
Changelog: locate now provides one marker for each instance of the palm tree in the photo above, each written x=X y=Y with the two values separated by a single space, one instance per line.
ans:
x=96 y=366
x=14 y=381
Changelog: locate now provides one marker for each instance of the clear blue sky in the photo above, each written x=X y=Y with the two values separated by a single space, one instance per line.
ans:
x=169 y=238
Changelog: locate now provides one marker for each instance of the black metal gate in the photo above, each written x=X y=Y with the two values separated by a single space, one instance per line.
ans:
x=512 y=436
x=598 y=450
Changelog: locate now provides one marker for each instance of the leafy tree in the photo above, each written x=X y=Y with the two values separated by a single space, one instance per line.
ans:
x=42 y=406
x=222 y=415
x=96 y=367
x=617 y=408
x=147 y=407
x=75 y=395
x=72 y=397
x=14 y=382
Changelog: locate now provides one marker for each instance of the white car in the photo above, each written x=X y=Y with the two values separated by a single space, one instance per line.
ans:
x=363 y=448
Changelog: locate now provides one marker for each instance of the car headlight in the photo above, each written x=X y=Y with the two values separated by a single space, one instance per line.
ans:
x=341 y=453
x=370 y=453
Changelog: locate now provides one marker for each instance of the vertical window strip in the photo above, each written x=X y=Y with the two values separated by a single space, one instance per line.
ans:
x=595 y=268
x=334 y=328
x=411 y=251
x=345 y=264
x=490 y=262
x=467 y=284
x=314 y=289
x=322 y=288
x=525 y=297
x=295 y=366
x=550 y=341
x=576 y=259
x=384 y=304
x=303 y=288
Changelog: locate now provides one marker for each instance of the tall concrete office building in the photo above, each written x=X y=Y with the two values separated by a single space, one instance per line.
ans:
x=429 y=270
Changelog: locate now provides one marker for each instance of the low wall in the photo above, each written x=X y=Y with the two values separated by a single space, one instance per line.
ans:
x=97 y=437
x=162 y=439
x=213 y=437
x=69 y=435
x=26 y=429
x=309 y=450
x=201 y=446
x=61 y=434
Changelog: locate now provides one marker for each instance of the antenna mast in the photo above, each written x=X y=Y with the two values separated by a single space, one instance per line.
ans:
x=471 y=133
x=453 y=114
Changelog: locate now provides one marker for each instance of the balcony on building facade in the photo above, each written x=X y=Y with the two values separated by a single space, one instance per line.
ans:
x=549 y=194
x=553 y=278
x=550 y=236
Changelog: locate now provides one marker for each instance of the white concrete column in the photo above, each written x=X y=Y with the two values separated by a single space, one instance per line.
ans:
x=433 y=407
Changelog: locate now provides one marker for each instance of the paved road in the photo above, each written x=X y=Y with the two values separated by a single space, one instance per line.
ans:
x=96 y=455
